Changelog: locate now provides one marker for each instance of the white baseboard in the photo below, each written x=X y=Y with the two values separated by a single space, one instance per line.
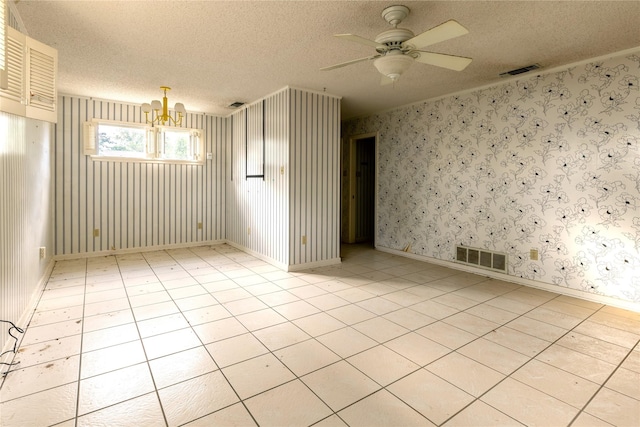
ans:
x=614 y=302
x=80 y=255
x=316 y=264
x=258 y=255
x=275 y=263
x=283 y=266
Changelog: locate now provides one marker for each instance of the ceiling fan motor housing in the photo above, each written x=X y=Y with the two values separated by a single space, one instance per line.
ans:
x=394 y=38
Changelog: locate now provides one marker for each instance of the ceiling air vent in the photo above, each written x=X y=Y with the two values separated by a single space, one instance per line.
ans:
x=520 y=70
x=236 y=104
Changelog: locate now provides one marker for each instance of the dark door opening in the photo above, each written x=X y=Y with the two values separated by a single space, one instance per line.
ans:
x=365 y=177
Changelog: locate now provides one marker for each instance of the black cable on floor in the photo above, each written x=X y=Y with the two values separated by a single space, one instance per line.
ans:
x=15 y=344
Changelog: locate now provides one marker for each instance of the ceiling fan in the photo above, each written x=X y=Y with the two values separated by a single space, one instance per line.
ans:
x=398 y=48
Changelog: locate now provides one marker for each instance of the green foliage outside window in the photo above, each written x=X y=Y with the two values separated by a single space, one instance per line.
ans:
x=176 y=145
x=121 y=141
x=104 y=139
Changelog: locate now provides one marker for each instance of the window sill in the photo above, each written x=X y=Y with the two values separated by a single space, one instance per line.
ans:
x=141 y=160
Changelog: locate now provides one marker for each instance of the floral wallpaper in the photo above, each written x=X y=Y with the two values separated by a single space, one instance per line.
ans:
x=549 y=161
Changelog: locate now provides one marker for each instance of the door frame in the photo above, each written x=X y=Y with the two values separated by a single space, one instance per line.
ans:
x=352 y=185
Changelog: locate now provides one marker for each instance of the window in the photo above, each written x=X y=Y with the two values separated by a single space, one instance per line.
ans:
x=121 y=141
x=107 y=139
x=179 y=144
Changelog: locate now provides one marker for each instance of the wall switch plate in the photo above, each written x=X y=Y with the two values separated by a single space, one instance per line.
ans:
x=209 y=156
x=199 y=226
x=304 y=240
x=96 y=232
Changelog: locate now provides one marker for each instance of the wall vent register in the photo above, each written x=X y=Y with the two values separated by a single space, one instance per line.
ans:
x=521 y=70
x=482 y=258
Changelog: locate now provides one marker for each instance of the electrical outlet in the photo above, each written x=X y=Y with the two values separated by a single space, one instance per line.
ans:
x=533 y=254
x=248 y=230
x=96 y=232
x=304 y=240
x=43 y=252
x=199 y=226
x=281 y=170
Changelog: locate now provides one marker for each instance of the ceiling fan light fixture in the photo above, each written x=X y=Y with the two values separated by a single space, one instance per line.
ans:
x=398 y=48
x=393 y=65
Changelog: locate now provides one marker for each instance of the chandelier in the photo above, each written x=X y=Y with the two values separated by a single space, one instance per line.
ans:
x=160 y=111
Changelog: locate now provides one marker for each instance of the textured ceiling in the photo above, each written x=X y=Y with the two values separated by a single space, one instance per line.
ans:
x=212 y=53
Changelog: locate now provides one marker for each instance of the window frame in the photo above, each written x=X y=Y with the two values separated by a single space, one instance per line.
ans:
x=152 y=143
x=195 y=147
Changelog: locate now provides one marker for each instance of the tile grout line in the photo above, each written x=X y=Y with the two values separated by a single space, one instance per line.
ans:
x=20 y=344
x=456 y=351
x=349 y=303
x=135 y=321
x=353 y=303
x=296 y=377
x=532 y=358
x=84 y=298
x=240 y=400
x=460 y=311
x=4 y=375
x=496 y=384
x=343 y=359
x=377 y=344
x=601 y=386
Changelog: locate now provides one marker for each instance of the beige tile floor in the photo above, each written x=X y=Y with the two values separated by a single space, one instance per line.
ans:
x=212 y=336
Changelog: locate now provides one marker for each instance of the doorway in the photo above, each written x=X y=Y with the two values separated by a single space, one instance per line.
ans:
x=361 y=173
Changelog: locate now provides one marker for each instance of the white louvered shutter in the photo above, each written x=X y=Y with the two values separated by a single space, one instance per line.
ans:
x=89 y=138
x=12 y=98
x=42 y=63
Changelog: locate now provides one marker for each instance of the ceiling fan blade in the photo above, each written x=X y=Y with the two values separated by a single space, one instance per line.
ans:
x=344 y=64
x=452 y=62
x=442 y=32
x=361 y=40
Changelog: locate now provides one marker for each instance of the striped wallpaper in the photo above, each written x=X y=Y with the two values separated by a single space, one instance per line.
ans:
x=133 y=204
x=299 y=195
x=144 y=205
x=314 y=193
x=257 y=216
x=55 y=196
x=25 y=216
